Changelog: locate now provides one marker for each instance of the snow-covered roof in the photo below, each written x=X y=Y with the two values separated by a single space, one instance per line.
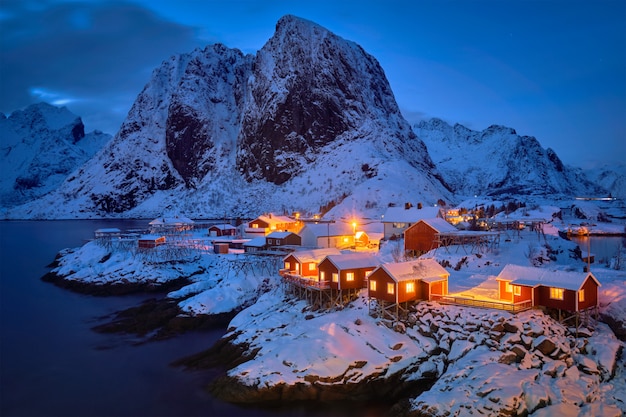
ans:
x=313 y=255
x=411 y=215
x=418 y=269
x=440 y=225
x=273 y=219
x=257 y=242
x=279 y=235
x=354 y=260
x=532 y=277
x=223 y=227
x=330 y=229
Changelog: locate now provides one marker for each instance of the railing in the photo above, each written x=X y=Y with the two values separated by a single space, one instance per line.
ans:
x=512 y=307
x=303 y=282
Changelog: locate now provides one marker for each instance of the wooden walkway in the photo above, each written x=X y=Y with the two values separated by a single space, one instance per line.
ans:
x=471 y=302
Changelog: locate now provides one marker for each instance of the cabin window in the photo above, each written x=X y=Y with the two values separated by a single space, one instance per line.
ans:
x=335 y=277
x=346 y=240
x=399 y=225
x=391 y=289
x=297 y=267
x=509 y=287
x=368 y=272
x=322 y=276
x=349 y=276
x=255 y=226
x=517 y=290
x=277 y=242
x=372 y=285
x=312 y=266
x=581 y=296
x=269 y=241
x=556 y=293
x=288 y=266
x=410 y=287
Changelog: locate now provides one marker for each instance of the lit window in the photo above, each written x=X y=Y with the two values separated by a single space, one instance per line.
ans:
x=556 y=293
x=322 y=276
x=312 y=266
x=349 y=276
x=346 y=240
x=517 y=290
x=372 y=285
x=297 y=265
x=335 y=277
x=410 y=287
x=287 y=266
x=581 y=296
x=509 y=287
x=391 y=289
x=399 y=225
x=255 y=226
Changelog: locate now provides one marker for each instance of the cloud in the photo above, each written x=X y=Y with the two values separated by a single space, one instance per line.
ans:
x=79 y=53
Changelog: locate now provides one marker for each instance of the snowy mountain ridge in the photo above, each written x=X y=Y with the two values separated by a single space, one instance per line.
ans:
x=40 y=146
x=497 y=161
x=308 y=124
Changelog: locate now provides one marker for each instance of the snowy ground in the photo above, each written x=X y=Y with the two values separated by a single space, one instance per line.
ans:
x=485 y=360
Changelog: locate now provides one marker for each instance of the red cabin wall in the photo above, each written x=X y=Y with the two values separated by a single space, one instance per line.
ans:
x=419 y=237
x=568 y=303
x=381 y=278
x=591 y=294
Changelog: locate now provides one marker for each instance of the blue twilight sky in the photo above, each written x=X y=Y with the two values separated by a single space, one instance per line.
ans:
x=553 y=69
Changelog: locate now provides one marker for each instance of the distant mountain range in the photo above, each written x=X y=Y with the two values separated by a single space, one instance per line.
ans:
x=308 y=123
x=39 y=147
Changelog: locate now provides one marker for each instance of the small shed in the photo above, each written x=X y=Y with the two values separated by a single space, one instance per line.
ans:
x=219 y=230
x=220 y=248
x=421 y=237
x=563 y=290
x=395 y=284
x=283 y=239
x=150 y=241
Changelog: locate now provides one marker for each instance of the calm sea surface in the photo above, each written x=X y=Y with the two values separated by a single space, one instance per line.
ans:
x=53 y=364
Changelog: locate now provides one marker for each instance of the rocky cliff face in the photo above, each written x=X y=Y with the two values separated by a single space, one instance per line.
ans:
x=498 y=161
x=39 y=147
x=302 y=124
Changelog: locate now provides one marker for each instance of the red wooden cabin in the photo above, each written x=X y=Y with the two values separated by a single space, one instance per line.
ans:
x=563 y=290
x=347 y=271
x=421 y=236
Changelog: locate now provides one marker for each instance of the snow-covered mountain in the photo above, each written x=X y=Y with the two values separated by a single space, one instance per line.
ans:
x=39 y=147
x=309 y=121
x=497 y=161
x=610 y=177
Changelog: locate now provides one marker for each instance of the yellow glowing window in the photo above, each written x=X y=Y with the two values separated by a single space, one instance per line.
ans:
x=372 y=285
x=509 y=287
x=581 y=296
x=335 y=277
x=287 y=266
x=297 y=267
x=391 y=289
x=556 y=293
x=349 y=276
x=410 y=287
x=346 y=240
x=255 y=226
x=322 y=276
x=312 y=266
x=517 y=290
